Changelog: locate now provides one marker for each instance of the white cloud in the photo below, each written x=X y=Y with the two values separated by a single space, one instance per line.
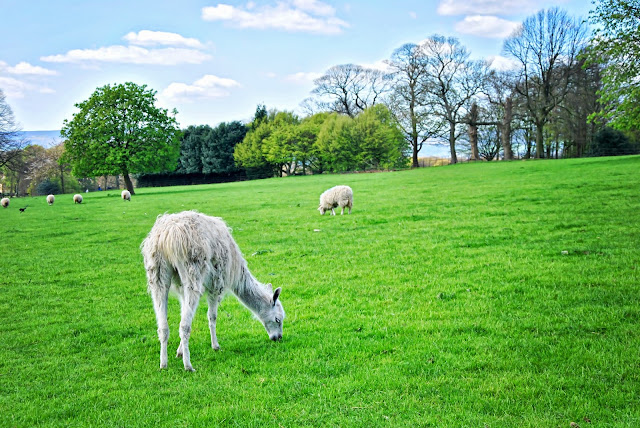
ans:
x=15 y=88
x=132 y=55
x=309 y=16
x=315 y=7
x=155 y=38
x=23 y=68
x=208 y=86
x=303 y=77
x=501 y=63
x=488 y=7
x=486 y=26
x=378 y=65
x=175 y=50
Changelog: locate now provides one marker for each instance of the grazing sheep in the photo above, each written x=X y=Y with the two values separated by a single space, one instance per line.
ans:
x=126 y=195
x=4 y=202
x=77 y=198
x=338 y=196
x=193 y=254
x=50 y=199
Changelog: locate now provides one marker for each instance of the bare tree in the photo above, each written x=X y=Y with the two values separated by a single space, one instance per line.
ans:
x=349 y=88
x=408 y=99
x=11 y=139
x=499 y=93
x=547 y=46
x=452 y=81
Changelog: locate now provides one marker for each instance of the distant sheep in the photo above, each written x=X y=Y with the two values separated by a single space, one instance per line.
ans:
x=193 y=254
x=77 y=198
x=50 y=199
x=126 y=195
x=338 y=196
x=4 y=202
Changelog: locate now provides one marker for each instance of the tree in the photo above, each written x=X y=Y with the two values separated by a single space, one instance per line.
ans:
x=119 y=130
x=334 y=144
x=350 y=88
x=11 y=141
x=193 y=138
x=280 y=146
x=408 y=99
x=452 y=81
x=379 y=141
x=218 y=147
x=617 y=45
x=547 y=47
x=612 y=142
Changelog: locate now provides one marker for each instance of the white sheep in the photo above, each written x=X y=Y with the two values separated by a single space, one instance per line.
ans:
x=4 y=202
x=126 y=195
x=50 y=199
x=77 y=198
x=193 y=254
x=338 y=196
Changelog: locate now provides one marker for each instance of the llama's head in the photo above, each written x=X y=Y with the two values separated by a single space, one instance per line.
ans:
x=273 y=316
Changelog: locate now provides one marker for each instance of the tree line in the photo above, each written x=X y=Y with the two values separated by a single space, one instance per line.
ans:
x=570 y=94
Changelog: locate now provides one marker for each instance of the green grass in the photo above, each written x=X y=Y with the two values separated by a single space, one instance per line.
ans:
x=489 y=294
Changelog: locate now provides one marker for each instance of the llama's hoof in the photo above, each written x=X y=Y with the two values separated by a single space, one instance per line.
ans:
x=216 y=347
x=189 y=369
x=163 y=366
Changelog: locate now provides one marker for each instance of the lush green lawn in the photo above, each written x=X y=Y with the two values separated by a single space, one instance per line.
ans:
x=497 y=294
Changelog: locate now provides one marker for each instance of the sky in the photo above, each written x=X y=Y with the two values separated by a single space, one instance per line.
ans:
x=215 y=62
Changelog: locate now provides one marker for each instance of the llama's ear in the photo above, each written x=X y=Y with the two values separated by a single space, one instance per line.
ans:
x=276 y=294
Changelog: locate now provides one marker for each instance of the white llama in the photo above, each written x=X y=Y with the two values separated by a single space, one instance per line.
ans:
x=194 y=254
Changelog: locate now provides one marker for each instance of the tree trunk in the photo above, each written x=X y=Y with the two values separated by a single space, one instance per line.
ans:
x=452 y=142
x=414 y=137
x=539 y=140
x=506 y=130
x=127 y=182
x=473 y=131
x=62 y=178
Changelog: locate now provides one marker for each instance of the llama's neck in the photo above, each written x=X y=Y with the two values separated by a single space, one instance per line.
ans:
x=252 y=293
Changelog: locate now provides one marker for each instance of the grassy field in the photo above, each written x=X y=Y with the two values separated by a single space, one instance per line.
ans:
x=497 y=294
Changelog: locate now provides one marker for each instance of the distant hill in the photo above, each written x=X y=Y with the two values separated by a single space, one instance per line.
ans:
x=43 y=138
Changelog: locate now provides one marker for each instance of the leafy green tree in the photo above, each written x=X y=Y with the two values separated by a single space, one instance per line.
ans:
x=249 y=154
x=193 y=138
x=334 y=144
x=218 y=147
x=617 y=45
x=612 y=142
x=380 y=142
x=306 y=150
x=279 y=147
x=119 y=130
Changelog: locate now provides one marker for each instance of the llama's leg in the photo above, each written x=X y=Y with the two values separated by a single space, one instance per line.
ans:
x=179 y=350
x=212 y=313
x=159 y=283
x=189 y=305
x=191 y=278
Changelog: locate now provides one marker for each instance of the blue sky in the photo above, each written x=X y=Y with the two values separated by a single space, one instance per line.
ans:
x=213 y=61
